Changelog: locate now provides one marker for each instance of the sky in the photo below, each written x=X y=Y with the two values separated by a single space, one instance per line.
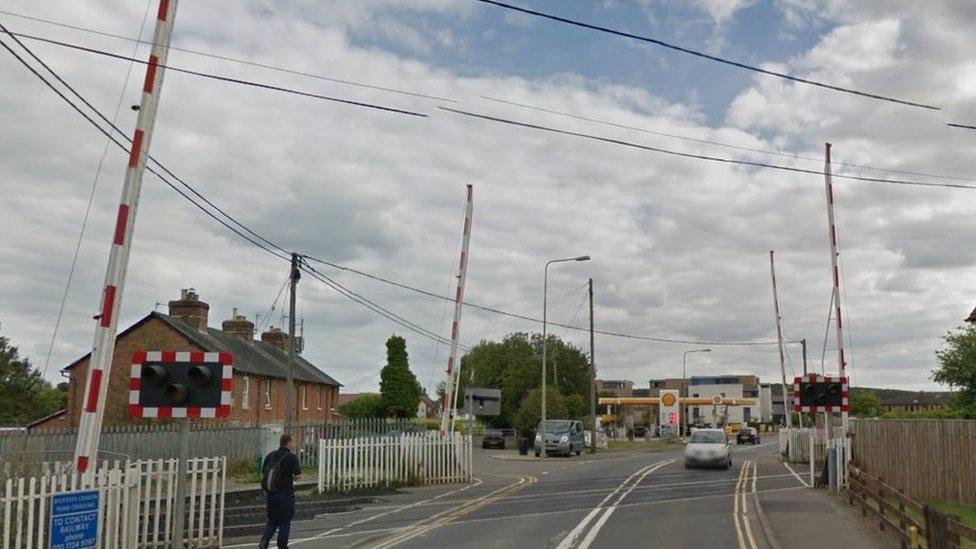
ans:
x=679 y=247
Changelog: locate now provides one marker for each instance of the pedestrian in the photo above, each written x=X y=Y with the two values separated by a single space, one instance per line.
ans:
x=278 y=474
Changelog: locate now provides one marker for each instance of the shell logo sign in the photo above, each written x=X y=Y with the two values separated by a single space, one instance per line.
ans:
x=669 y=409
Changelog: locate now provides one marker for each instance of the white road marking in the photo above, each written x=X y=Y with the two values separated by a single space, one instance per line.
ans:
x=591 y=535
x=798 y=477
x=575 y=534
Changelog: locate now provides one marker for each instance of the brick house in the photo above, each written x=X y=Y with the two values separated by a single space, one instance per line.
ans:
x=260 y=366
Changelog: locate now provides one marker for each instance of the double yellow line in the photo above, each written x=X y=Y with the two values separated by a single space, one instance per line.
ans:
x=450 y=515
x=740 y=508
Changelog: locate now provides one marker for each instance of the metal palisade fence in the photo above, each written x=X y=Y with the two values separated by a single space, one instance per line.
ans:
x=136 y=502
x=20 y=452
x=409 y=458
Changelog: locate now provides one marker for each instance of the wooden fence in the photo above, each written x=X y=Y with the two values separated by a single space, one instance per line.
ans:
x=423 y=458
x=913 y=522
x=21 y=451
x=928 y=459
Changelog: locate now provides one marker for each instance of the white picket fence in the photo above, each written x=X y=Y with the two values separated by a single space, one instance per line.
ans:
x=411 y=458
x=136 y=499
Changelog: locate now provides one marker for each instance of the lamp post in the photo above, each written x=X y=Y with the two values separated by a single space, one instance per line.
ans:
x=545 y=292
x=684 y=382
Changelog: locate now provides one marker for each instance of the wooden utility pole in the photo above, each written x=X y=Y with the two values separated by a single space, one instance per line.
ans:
x=779 y=338
x=592 y=379
x=103 y=347
x=803 y=345
x=290 y=388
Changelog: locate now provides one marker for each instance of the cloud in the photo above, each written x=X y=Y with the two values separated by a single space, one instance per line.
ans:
x=680 y=248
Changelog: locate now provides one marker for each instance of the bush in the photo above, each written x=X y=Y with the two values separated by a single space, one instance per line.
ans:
x=243 y=469
x=363 y=407
x=530 y=410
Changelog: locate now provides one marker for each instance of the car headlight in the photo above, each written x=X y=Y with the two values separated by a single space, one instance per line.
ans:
x=538 y=438
x=564 y=439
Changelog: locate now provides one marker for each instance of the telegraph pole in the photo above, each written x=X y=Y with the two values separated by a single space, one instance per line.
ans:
x=779 y=337
x=803 y=345
x=592 y=379
x=103 y=347
x=290 y=389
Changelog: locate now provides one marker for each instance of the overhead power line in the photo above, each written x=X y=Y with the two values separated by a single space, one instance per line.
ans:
x=963 y=126
x=702 y=156
x=703 y=55
x=533 y=319
x=784 y=154
x=220 y=78
x=201 y=53
x=124 y=147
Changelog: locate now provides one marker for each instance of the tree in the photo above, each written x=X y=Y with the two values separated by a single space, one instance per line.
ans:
x=865 y=404
x=957 y=369
x=399 y=388
x=364 y=406
x=530 y=409
x=514 y=365
x=26 y=396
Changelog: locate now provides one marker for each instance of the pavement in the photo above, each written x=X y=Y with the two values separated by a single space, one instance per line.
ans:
x=621 y=499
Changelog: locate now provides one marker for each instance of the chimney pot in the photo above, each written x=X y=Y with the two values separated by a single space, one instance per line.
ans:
x=238 y=325
x=276 y=337
x=191 y=309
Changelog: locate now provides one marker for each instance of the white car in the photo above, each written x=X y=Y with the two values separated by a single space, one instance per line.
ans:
x=708 y=448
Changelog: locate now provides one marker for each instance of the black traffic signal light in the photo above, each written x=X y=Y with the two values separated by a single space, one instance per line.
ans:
x=820 y=394
x=180 y=384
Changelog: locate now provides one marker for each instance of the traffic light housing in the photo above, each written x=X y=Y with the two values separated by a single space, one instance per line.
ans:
x=166 y=384
x=820 y=394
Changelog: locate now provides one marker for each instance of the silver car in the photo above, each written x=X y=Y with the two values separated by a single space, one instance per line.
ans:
x=708 y=448
x=562 y=436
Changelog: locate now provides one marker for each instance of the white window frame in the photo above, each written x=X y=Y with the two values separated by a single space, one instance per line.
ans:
x=245 y=392
x=318 y=403
x=267 y=394
x=303 y=389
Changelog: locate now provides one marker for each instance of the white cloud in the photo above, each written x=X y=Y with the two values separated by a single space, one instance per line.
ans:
x=679 y=247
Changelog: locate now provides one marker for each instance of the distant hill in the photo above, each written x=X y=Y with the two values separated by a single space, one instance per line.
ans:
x=883 y=394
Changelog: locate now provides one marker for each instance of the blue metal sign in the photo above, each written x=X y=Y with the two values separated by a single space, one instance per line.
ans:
x=74 y=520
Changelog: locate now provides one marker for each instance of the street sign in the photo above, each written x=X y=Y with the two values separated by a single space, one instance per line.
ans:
x=820 y=394
x=670 y=408
x=483 y=402
x=74 y=520
x=170 y=384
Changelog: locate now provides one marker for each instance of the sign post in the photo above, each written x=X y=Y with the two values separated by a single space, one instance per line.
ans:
x=669 y=409
x=74 y=520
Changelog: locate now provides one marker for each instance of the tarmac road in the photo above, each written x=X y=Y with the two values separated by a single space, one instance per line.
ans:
x=610 y=500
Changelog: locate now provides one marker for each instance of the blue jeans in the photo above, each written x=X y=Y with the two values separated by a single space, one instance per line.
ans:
x=281 y=508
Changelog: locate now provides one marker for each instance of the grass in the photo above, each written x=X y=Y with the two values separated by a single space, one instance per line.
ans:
x=638 y=445
x=966 y=514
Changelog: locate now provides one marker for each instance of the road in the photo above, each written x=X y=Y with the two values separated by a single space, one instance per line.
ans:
x=610 y=500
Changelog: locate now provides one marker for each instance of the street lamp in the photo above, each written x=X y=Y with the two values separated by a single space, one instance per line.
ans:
x=545 y=292
x=684 y=383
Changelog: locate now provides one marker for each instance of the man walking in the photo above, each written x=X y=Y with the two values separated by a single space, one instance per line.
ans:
x=278 y=473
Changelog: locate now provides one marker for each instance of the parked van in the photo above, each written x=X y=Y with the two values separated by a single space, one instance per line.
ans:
x=562 y=436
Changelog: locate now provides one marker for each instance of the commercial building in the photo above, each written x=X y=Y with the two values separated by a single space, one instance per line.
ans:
x=725 y=386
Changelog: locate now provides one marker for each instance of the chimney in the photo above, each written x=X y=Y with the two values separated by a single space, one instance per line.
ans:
x=276 y=337
x=190 y=309
x=239 y=325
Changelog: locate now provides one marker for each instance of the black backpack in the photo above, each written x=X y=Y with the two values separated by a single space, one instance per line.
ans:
x=271 y=472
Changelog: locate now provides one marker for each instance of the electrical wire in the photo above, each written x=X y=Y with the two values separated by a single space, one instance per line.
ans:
x=122 y=146
x=276 y=68
x=88 y=206
x=784 y=154
x=536 y=320
x=221 y=78
x=750 y=163
x=261 y=322
x=962 y=126
x=703 y=55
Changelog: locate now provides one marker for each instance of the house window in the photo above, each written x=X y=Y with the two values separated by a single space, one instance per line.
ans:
x=304 y=393
x=695 y=412
x=318 y=403
x=245 y=393
x=267 y=394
